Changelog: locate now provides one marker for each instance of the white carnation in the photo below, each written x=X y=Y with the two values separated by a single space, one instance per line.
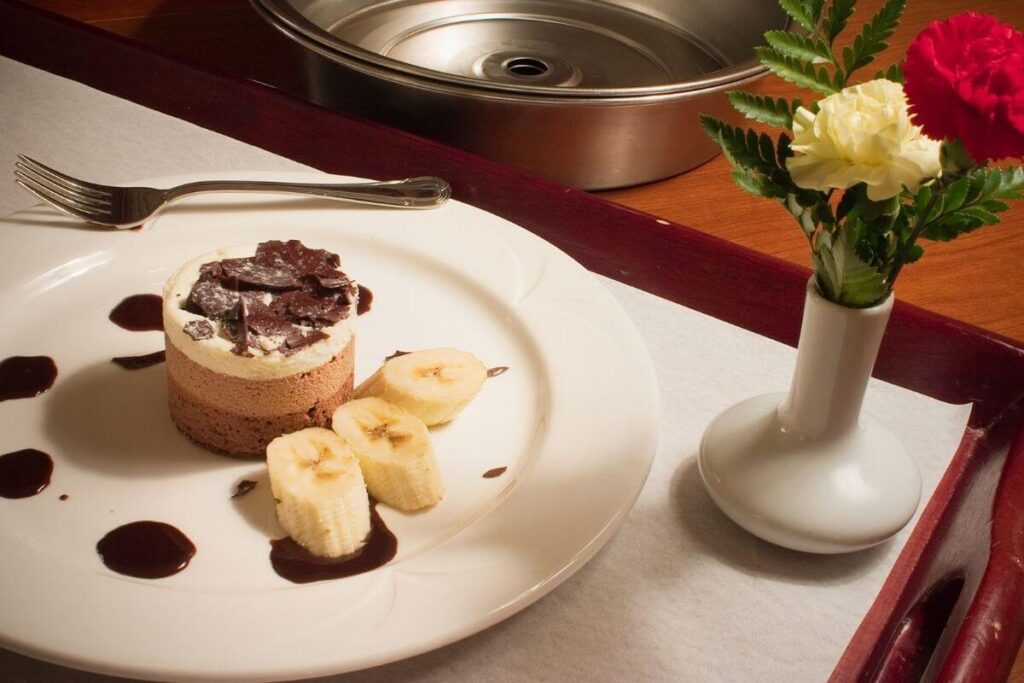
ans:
x=862 y=134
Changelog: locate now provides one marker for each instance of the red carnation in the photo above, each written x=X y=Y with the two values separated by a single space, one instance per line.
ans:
x=965 y=79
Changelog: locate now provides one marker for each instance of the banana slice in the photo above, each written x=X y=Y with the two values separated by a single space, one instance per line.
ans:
x=434 y=385
x=321 y=496
x=394 y=451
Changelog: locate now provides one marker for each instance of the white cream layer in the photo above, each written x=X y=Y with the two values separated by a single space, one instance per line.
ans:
x=215 y=353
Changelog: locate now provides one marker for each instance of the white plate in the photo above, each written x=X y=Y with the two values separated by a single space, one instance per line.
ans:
x=575 y=420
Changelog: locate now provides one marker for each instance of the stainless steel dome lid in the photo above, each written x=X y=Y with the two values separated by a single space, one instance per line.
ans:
x=541 y=48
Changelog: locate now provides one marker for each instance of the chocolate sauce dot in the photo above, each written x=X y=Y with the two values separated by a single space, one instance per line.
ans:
x=146 y=550
x=64 y=496
x=139 y=312
x=243 y=487
x=495 y=371
x=26 y=376
x=365 y=300
x=139 y=362
x=494 y=472
x=293 y=562
x=24 y=473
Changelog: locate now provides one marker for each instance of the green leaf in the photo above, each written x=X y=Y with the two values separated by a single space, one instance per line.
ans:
x=1011 y=185
x=951 y=227
x=954 y=195
x=757 y=184
x=914 y=253
x=815 y=7
x=783 y=150
x=982 y=214
x=839 y=13
x=894 y=73
x=799 y=47
x=849 y=280
x=995 y=206
x=872 y=37
x=744 y=149
x=796 y=71
x=800 y=13
x=777 y=112
x=924 y=196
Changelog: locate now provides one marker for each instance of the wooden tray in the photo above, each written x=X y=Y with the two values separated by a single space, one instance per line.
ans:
x=962 y=566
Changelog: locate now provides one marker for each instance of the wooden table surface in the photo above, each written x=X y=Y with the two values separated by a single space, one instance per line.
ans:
x=978 y=279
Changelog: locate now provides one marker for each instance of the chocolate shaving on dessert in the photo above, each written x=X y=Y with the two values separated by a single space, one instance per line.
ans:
x=241 y=329
x=298 y=342
x=198 y=330
x=212 y=299
x=276 y=300
x=139 y=362
x=264 y=276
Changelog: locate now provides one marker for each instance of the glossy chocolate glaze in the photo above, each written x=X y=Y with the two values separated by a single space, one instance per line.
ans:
x=26 y=376
x=139 y=313
x=146 y=550
x=293 y=562
x=24 y=473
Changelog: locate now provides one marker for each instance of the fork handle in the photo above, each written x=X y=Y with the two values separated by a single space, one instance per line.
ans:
x=415 y=193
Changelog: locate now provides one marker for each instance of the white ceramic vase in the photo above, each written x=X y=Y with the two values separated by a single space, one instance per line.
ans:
x=808 y=470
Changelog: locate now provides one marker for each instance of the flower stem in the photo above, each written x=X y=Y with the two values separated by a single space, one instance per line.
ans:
x=919 y=227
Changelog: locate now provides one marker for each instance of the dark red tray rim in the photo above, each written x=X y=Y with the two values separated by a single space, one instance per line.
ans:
x=922 y=351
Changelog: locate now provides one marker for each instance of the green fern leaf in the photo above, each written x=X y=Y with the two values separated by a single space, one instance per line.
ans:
x=800 y=13
x=872 y=37
x=799 y=47
x=776 y=112
x=859 y=284
x=741 y=148
x=839 y=13
x=757 y=184
x=894 y=73
x=796 y=71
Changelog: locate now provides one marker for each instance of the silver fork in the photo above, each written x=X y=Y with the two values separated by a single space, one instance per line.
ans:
x=126 y=207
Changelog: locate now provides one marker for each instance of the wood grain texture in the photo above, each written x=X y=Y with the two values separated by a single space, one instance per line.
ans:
x=921 y=351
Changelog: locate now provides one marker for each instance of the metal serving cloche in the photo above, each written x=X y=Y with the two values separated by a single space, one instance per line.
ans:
x=590 y=94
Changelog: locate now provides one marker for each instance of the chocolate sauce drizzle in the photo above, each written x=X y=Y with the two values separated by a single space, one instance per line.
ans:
x=494 y=472
x=396 y=354
x=146 y=550
x=293 y=562
x=139 y=313
x=243 y=487
x=24 y=473
x=26 y=376
x=498 y=370
x=139 y=362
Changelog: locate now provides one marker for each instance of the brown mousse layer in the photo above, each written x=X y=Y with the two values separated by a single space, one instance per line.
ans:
x=240 y=416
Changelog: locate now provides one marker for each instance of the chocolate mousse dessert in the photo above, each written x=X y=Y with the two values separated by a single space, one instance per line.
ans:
x=260 y=342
